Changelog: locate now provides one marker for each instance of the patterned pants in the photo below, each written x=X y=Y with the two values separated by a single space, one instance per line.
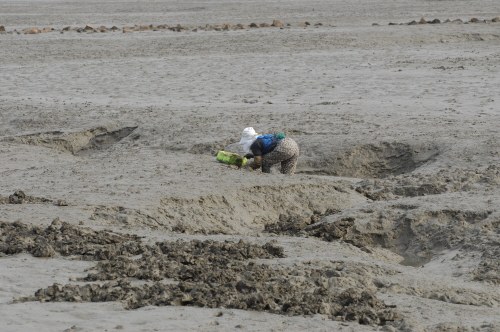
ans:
x=286 y=153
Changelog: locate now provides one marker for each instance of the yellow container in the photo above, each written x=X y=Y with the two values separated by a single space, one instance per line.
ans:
x=231 y=158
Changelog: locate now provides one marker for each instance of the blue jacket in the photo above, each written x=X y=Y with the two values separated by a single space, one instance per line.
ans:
x=270 y=142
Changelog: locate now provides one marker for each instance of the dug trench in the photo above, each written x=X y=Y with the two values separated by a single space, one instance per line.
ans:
x=368 y=161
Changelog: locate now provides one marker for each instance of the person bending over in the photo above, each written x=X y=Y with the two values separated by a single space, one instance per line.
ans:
x=268 y=150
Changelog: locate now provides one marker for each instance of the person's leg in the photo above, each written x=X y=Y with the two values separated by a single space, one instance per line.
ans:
x=289 y=165
x=266 y=168
x=272 y=158
x=285 y=150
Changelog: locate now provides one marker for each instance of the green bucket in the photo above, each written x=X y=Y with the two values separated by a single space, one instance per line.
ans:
x=231 y=158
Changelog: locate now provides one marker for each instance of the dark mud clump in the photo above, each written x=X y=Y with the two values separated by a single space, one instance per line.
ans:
x=333 y=231
x=208 y=273
x=295 y=225
x=65 y=240
x=19 y=197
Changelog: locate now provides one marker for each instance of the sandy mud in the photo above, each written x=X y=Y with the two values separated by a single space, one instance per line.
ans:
x=115 y=213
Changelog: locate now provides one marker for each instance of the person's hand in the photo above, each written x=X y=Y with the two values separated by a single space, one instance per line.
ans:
x=246 y=167
x=249 y=156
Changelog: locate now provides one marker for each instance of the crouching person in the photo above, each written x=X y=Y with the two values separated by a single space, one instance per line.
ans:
x=268 y=150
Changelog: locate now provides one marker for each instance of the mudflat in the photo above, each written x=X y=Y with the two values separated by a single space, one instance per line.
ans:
x=115 y=213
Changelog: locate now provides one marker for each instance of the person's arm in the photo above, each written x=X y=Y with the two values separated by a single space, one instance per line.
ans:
x=256 y=149
x=257 y=162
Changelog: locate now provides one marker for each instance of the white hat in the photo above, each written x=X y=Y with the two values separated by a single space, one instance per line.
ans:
x=248 y=132
x=248 y=136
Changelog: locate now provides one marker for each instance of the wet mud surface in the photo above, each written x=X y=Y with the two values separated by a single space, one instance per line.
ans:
x=115 y=212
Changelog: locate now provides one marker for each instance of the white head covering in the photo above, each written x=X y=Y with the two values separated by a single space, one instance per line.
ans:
x=248 y=136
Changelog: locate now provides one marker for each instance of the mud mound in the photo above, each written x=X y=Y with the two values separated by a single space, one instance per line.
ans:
x=19 y=197
x=253 y=208
x=209 y=274
x=295 y=225
x=445 y=181
x=285 y=295
x=65 y=240
x=73 y=142
x=183 y=261
x=372 y=161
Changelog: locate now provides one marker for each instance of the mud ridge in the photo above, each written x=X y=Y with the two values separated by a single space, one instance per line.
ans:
x=456 y=21
x=19 y=197
x=119 y=215
x=105 y=140
x=295 y=225
x=162 y=27
x=208 y=273
x=243 y=211
x=75 y=142
x=455 y=295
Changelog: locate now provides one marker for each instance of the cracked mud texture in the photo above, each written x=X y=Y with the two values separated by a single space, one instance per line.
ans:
x=209 y=274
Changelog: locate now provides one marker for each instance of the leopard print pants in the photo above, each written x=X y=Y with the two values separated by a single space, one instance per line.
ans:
x=286 y=153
